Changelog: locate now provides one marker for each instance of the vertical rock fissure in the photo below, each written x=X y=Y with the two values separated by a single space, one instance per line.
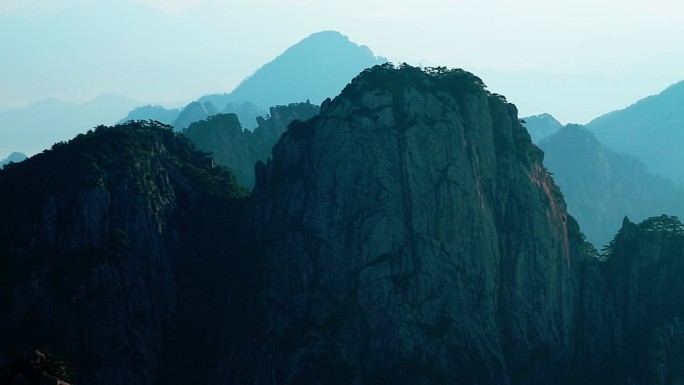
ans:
x=407 y=205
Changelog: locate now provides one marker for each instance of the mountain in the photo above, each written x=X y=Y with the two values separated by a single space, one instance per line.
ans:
x=541 y=126
x=13 y=157
x=194 y=112
x=150 y=112
x=408 y=233
x=246 y=112
x=107 y=251
x=650 y=129
x=314 y=69
x=239 y=149
x=36 y=127
x=601 y=186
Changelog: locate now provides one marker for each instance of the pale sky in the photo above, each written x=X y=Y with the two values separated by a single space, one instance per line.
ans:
x=574 y=59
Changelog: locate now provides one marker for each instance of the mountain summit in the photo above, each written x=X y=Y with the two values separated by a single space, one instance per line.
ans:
x=406 y=234
x=313 y=69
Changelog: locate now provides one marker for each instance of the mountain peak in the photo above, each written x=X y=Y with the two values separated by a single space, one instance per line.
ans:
x=315 y=68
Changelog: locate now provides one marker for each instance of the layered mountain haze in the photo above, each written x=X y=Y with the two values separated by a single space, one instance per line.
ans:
x=314 y=69
x=601 y=186
x=36 y=127
x=240 y=149
x=393 y=228
x=153 y=112
x=541 y=126
x=13 y=157
x=651 y=129
x=104 y=241
x=405 y=232
x=247 y=114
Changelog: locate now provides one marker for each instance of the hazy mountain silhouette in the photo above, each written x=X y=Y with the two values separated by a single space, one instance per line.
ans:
x=13 y=157
x=314 y=69
x=150 y=112
x=652 y=129
x=541 y=126
x=35 y=127
x=601 y=186
x=246 y=112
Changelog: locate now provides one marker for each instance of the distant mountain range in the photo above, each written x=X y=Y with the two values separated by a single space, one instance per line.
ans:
x=541 y=126
x=409 y=233
x=651 y=129
x=35 y=127
x=239 y=149
x=314 y=69
x=601 y=186
x=13 y=157
x=153 y=112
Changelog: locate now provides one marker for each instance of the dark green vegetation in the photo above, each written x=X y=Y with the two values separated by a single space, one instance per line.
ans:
x=408 y=233
x=109 y=250
x=239 y=149
x=541 y=126
x=601 y=186
x=650 y=129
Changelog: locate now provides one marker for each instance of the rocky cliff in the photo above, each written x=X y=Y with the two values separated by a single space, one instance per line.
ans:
x=633 y=317
x=410 y=234
x=193 y=112
x=239 y=149
x=100 y=249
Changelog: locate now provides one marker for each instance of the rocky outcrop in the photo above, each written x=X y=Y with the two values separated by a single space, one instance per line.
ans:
x=239 y=149
x=152 y=112
x=410 y=234
x=247 y=112
x=649 y=129
x=97 y=244
x=631 y=322
x=193 y=112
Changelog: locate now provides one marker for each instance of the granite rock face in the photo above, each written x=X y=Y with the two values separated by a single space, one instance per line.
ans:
x=643 y=277
x=239 y=149
x=100 y=238
x=410 y=234
x=193 y=112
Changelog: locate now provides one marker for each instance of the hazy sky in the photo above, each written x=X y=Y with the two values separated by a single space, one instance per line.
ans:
x=574 y=59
